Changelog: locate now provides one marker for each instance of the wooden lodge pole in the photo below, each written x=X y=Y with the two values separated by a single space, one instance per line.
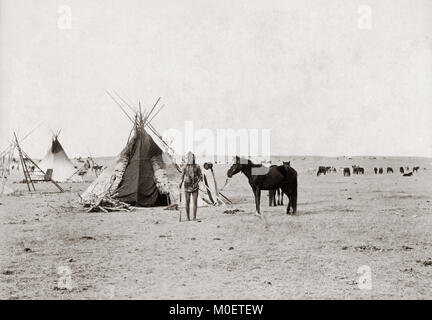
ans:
x=24 y=166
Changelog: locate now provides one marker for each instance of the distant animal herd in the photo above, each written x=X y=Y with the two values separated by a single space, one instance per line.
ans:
x=288 y=184
x=355 y=169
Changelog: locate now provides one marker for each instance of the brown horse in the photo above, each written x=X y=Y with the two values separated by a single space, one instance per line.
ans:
x=263 y=178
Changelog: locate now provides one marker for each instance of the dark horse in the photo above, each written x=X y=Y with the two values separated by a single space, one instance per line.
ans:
x=262 y=178
x=321 y=170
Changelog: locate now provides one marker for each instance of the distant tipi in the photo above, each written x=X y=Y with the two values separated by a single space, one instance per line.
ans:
x=57 y=160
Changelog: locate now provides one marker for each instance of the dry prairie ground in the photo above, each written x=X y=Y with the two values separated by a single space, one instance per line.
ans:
x=343 y=223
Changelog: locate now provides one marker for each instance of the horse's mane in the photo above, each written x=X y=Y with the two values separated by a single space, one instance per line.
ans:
x=250 y=163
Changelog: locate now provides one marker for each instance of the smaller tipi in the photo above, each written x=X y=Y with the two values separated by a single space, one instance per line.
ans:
x=57 y=162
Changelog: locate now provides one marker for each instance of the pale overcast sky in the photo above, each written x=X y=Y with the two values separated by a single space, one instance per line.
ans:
x=304 y=69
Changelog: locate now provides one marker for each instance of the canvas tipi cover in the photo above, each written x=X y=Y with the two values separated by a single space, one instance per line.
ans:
x=142 y=175
x=56 y=159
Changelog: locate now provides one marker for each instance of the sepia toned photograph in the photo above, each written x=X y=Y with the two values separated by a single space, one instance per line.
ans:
x=234 y=150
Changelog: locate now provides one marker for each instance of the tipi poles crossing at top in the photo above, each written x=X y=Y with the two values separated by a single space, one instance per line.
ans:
x=139 y=118
x=120 y=106
x=23 y=157
x=150 y=120
x=125 y=102
x=13 y=145
x=148 y=115
x=24 y=166
x=7 y=156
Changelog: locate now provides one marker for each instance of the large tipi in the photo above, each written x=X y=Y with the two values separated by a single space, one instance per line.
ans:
x=57 y=160
x=144 y=174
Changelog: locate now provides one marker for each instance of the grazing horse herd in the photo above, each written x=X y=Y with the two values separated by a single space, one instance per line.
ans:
x=401 y=170
x=359 y=170
x=282 y=179
x=324 y=170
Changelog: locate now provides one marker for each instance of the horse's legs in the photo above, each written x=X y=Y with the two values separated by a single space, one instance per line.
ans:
x=294 y=204
x=278 y=196
x=259 y=200
x=290 y=201
x=281 y=196
x=257 y=192
x=272 y=198
x=286 y=191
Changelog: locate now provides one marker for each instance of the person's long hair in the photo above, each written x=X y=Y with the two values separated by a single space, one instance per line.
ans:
x=190 y=158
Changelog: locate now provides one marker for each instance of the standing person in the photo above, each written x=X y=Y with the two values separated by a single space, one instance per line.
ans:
x=191 y=176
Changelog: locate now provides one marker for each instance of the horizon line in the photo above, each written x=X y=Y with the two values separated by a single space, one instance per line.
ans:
x=297 y=156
